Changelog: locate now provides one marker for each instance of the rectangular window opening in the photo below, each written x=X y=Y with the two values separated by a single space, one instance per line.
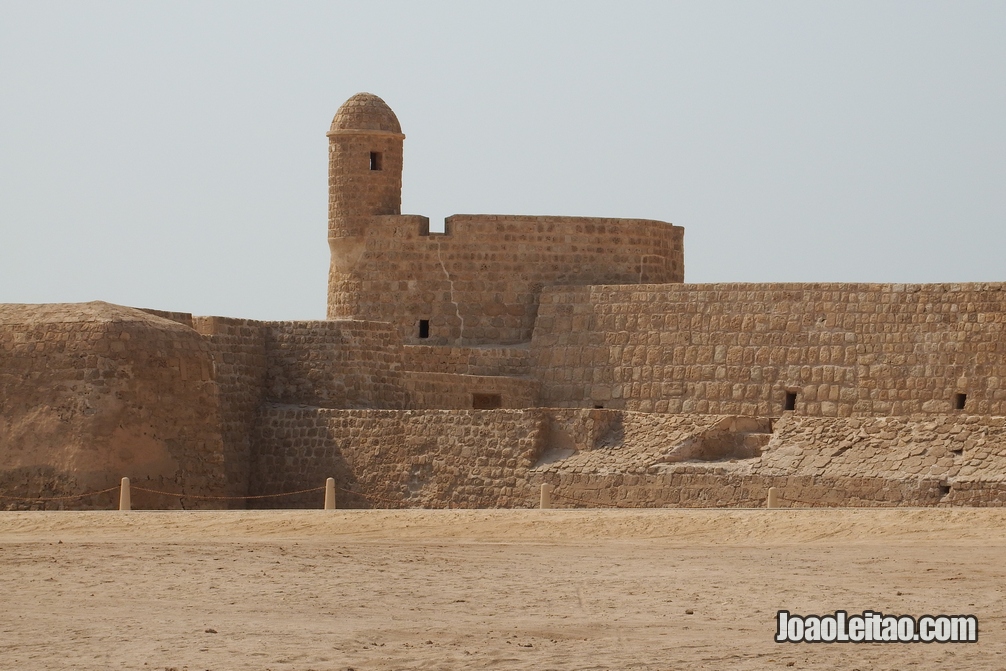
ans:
x=487 y=401
x=790 y=401
x=375 y=160
x=959 y=401
x=424 y=328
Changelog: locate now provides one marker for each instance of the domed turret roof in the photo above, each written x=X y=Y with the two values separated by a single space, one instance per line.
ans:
x=364 y=112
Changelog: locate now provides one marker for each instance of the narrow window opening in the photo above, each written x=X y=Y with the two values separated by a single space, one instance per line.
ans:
x=790 y=401
x=944 y=489
x=487 y=401
x=424 y=328
x=959 y=401
x=599 y=406
x=375 y=160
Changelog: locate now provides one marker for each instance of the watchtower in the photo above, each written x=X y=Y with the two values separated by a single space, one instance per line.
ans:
x=364 y=181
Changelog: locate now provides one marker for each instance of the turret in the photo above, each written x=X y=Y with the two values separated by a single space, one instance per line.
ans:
x=364 y=181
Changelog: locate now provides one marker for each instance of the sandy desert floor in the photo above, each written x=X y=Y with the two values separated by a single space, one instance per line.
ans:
x=488 y=589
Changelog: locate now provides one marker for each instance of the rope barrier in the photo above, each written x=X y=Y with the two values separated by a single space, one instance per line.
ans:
x=808 y=503
x=589 y=503
x=223 y=498
x=373 y=498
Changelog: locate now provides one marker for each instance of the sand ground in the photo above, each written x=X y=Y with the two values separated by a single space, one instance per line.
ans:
x=493 y=589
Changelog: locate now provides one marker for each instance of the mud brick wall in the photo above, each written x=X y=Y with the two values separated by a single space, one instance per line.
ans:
x=479 y=282
x=447 y=391
x=239 y=360
x=340 y=364
x=93 y=392
x=842 y=349
x=512 y=360
x=422 y=458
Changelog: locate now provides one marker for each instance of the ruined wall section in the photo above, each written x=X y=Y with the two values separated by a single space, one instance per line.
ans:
x=605 y=458
x=841 y=349
x=336 y=364
x=479 y=282
x=93 y=392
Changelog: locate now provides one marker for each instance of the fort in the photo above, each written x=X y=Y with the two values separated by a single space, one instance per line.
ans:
x=466 y=368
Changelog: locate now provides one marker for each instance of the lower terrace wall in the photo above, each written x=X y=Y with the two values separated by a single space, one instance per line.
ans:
x=604 y=458
x=840 y=349
x=420 y=458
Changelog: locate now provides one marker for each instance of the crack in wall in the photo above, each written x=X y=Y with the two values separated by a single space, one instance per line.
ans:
x=457 y=308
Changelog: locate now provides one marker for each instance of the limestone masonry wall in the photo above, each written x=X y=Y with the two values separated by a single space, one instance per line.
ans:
x=451 y=458
x=428 y=458
x=339 y=364
x=239 y=359
x=451 y=391
x=841 y=349
x=510 y=360
x=479 y=283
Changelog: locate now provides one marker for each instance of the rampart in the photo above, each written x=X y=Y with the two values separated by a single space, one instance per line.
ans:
x=93 y=392
x=835 y=349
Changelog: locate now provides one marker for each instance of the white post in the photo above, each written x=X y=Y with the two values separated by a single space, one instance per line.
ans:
x=124 y=502
x=330 y=494
x=546 y=496
x=773 y=498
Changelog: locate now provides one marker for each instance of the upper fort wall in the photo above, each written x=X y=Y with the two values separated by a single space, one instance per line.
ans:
x=479 y=282
x=839 y=349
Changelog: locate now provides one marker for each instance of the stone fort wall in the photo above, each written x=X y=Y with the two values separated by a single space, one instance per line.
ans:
x=840 y=349
x=479 y=282
x=93 y=392
x=605 y=458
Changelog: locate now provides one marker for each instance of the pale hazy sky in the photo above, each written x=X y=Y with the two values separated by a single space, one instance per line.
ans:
x=173 y=154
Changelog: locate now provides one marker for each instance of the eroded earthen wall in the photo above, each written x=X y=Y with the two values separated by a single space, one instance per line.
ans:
x=93 y=392
x=841 y=349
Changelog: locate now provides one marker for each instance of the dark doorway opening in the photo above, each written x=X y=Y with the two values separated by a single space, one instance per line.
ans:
x=790 y=403
x=424 y=328
x=487 y=401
